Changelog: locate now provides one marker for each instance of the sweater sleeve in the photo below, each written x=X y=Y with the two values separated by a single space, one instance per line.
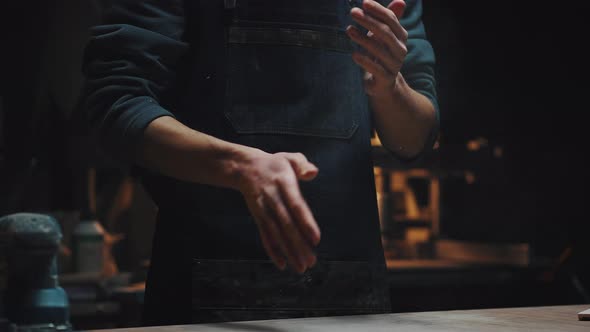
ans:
x=129 y=63
x=418 y=68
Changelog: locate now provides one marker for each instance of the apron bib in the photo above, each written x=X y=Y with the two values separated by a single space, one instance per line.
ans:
x=285 y=82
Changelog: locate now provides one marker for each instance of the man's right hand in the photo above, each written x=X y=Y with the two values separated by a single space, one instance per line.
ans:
x=269 y=183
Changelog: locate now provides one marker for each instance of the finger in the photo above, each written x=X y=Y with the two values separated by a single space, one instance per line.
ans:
x=387 y=16
x=398 y=7
x=269 y=235
x=372 y=67
x=374 y=49
x=300 y=212
x=380 y=31
x=271 y=246
x=304 y=170
x=369 y=81
x=299 y=250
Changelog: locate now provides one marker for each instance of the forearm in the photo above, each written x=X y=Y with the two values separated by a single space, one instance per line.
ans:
x=268 y=182
x=173 y=149
x=403 y=119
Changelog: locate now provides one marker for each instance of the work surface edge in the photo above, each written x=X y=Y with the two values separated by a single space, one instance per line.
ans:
x=555 y=318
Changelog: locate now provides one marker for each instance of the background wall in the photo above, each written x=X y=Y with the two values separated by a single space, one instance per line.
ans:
x=515 y=73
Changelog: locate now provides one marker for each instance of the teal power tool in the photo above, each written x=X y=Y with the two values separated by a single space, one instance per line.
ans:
x=31 y=297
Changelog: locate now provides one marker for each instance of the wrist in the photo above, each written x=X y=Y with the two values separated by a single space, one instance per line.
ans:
x=391 y=96
x=235 y=163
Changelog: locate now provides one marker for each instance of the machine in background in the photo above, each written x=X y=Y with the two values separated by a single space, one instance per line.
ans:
x=31 y=297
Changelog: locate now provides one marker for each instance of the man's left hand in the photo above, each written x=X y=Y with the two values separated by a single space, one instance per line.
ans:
x=385 y=44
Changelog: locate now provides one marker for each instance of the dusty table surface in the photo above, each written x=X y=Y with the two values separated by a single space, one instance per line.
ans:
x=557 y=318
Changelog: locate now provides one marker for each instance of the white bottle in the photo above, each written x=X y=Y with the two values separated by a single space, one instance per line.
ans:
x=88 y=246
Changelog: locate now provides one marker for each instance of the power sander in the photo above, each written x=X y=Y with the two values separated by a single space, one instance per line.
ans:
x=32 y=300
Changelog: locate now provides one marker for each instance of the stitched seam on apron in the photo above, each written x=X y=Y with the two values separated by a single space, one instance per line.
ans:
x=334 y=41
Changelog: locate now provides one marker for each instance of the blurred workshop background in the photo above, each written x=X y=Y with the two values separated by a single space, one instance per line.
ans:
x=497 y=217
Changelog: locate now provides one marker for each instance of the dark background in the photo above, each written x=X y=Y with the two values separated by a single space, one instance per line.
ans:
x=516 y=74
x=513 y=73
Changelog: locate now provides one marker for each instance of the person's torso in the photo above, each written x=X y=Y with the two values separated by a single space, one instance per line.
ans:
x=276 y=75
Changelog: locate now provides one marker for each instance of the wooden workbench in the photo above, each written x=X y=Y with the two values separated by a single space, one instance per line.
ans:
x=558 y=318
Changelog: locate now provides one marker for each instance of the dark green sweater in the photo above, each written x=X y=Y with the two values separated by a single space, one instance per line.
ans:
x=133 y=60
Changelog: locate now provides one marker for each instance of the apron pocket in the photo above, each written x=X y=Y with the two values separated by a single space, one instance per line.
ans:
x=239 y=287
x=292 y=81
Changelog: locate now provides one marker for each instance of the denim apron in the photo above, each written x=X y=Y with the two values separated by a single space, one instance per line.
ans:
x=285 y=82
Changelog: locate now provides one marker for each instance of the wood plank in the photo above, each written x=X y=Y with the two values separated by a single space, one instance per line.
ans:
x=558 y=318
